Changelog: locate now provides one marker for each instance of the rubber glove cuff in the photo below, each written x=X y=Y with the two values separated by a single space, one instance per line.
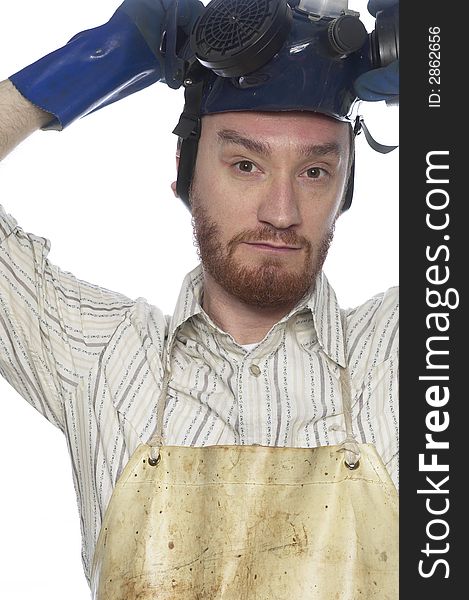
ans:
x=379 y=84
x=95 y=68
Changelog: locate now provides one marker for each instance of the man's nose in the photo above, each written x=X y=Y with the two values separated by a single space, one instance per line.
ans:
x=280 y=204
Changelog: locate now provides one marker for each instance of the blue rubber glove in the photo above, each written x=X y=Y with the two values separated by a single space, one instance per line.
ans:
x=105 y=64
x=382 y=83
x=375 y=6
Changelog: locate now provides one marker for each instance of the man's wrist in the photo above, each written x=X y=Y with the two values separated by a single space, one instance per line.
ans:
x=18 y=118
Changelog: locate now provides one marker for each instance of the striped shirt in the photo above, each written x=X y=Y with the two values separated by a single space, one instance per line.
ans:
x=92 y=362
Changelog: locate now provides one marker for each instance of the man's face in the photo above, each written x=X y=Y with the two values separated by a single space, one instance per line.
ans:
x=266 y=193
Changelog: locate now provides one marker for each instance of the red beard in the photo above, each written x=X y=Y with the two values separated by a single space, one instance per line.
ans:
x=270 y=284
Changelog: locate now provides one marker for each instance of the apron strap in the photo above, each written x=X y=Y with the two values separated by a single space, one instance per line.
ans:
x=156 y=440
x=349 y=446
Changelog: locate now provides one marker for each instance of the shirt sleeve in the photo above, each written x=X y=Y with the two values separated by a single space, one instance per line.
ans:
x=53 y=326
x=373 y=356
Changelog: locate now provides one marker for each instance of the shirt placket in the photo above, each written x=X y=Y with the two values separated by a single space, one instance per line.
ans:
x=254 y=403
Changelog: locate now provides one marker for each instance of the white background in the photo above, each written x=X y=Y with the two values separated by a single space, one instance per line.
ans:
x=117 y=165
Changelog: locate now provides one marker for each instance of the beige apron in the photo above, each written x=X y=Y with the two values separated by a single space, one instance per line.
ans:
x=250 y=523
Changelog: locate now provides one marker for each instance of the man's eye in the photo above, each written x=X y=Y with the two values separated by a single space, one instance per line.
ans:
x=245 y=166
x=314 y=172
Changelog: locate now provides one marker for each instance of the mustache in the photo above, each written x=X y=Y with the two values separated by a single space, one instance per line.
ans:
x=269 y=234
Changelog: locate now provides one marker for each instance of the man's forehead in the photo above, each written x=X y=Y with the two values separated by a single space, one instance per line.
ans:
x=298 y=128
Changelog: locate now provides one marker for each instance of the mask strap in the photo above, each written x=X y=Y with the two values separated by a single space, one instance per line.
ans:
x=189 y=129
x=381 y=148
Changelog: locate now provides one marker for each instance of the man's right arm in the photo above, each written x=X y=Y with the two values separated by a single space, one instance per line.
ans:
x=69 y=82
x=19 y=118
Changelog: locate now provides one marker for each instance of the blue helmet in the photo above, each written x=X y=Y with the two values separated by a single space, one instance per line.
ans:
x=274 y=55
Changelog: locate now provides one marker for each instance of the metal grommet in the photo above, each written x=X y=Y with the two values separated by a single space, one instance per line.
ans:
x=153 y=461
x=352 y=466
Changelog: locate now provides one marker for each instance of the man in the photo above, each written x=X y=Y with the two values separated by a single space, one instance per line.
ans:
x=265 y=195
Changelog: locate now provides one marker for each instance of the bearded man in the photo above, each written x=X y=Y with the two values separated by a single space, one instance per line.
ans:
x=247 y=446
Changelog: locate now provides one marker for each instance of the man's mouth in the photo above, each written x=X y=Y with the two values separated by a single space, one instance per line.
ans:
x=273 y=247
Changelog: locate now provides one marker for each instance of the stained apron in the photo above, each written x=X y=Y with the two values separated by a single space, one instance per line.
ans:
x=250 y=523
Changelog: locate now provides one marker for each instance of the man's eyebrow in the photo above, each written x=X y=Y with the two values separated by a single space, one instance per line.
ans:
x=230 y=136
x=320 y=149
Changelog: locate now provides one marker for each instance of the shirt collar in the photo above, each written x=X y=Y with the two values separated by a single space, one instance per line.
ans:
x=189 y=301
x=322 y=303
x=327 y=318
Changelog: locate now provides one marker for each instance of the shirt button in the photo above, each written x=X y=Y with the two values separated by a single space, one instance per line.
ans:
x=255 y=370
